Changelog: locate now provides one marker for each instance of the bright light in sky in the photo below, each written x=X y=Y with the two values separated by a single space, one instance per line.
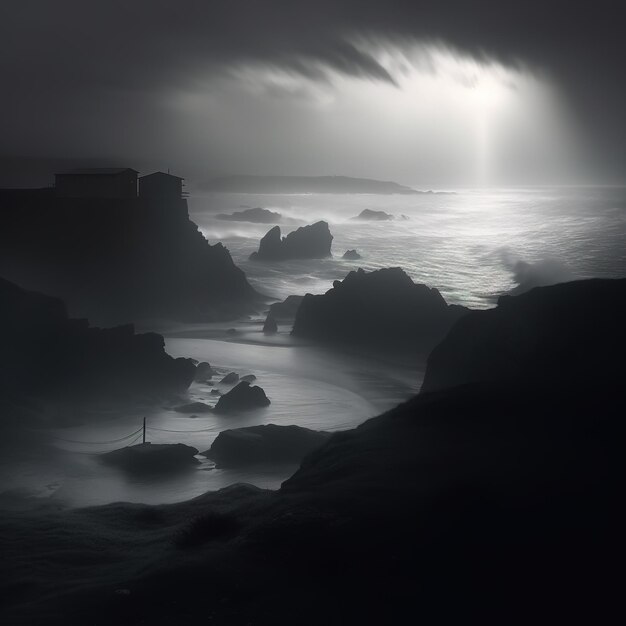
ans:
x=448 y=120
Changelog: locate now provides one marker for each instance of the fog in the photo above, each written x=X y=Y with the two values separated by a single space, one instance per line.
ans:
x=456 y=95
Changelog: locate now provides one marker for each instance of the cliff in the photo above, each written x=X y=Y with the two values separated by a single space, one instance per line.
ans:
x=119 y=260
x=383 y=309
x=567 y=332
x=47 y=355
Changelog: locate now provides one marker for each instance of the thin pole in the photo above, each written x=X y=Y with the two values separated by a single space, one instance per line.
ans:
x=144 y=430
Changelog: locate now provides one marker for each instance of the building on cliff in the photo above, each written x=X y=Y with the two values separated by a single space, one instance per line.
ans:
x=161 y=186
x=108 y=182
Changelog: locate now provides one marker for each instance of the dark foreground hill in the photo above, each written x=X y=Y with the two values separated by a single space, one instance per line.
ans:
x=119 y=260
x=492 y=502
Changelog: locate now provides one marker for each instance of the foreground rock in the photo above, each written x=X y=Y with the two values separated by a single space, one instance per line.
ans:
x=270 y=327
x=257 y=216
x=384 y=309
x=243 y=397
x=145 y=259
x=307 y=242
x=368 y=215
x=152 y=458
x=351 y=255
x=564 y=332
x=264 y=444
x=56 y=358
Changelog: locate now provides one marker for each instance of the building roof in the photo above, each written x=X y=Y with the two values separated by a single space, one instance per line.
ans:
x=163 y=174
x=97 y=171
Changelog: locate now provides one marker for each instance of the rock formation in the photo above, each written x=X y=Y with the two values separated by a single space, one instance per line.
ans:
x=242 y=398
x=569 y=331
x=286 y=310
x=270 y=327
x=152 y=458
x=46 y=353
x=384 y=309
x=119 y=260
x=264 y=444
x=307 y=242
x=351 y=255
x=368 y=215
x=257 y=216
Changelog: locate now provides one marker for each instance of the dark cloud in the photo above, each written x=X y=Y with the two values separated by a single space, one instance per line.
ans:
x=70 y=61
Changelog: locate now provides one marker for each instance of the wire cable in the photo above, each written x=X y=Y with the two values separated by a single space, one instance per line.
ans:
x=98 y=443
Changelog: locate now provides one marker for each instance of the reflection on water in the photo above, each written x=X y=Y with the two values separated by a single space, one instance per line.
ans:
x=307 y=386
x=464 y=244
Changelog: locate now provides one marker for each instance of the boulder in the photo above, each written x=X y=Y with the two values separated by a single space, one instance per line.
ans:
x=230 y=379
x=193 y=407
x=264 y=444
x=368 y=215
x=257 y=216
x=307 y=242
x=351 y=255
x=204 y=372
x=241 y=398
x=248 y=378
x=270 y=327
x=150 y=457
x=384 y=310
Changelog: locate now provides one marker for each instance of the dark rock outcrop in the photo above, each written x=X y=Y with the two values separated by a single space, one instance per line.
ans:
x=248 y=378
x=286 y=310
x=307 y=242
x=270 y=327
x=242 y=398
x=257 y=216
x=569 y=331
x=384 y=309
x=264 y=444
x=47 y=354
x=351 y=255
x=230 y=379
x=369 y=215
x=152 y=458
x=204 y=372
x=115 y=260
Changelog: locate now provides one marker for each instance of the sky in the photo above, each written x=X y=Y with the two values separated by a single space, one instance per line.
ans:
x=437 y=94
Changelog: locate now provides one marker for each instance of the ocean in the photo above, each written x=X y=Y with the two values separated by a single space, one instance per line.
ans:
x=472 y=245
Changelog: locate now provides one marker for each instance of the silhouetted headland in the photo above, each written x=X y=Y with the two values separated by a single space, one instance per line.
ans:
x=257 y=216
x=115 y=257
x=306 y=184
x=307 y=242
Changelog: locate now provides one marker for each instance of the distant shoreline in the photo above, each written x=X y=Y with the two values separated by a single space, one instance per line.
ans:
x=291 y=185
